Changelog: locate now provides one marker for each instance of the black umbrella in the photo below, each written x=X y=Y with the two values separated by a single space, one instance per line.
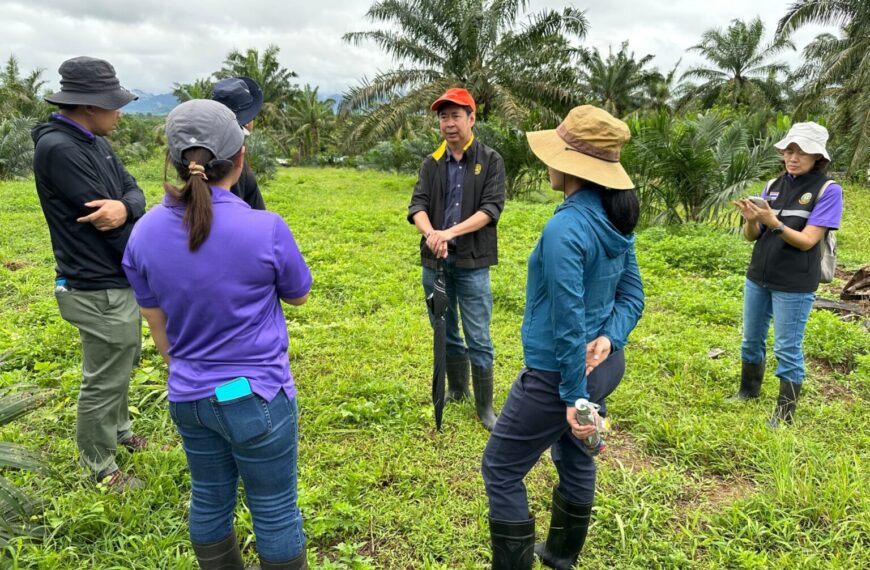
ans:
x=437 y=302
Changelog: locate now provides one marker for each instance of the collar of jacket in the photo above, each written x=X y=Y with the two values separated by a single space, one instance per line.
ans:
x=439 y=152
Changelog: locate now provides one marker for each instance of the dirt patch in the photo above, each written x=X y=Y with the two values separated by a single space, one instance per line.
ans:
x=714 y=492
x=15 y=265
x=832 y=390
x=624 y=451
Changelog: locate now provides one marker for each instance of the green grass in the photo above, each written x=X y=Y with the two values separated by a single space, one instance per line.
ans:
x=689 y=481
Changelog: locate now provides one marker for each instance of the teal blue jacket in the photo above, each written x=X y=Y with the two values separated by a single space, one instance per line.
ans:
x=583 y=282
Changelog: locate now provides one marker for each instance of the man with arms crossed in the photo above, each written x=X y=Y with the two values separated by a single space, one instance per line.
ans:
x=90 y=203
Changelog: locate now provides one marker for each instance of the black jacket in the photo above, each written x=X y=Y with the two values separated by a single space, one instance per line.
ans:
x=246 y=189
x=70 y=169
x=482 y=190
x=776 y=264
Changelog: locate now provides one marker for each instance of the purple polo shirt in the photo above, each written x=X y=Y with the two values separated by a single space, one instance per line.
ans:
x=828 y=211
x=222 y=302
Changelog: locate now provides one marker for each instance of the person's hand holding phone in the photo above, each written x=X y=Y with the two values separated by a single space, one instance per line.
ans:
x=756 y=209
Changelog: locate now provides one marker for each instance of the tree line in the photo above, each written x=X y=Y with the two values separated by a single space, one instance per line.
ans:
x=700 y=136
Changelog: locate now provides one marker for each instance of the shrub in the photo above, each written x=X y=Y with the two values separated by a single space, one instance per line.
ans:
x=16 y=147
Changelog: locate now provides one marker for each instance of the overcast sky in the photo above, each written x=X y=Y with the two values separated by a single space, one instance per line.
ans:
x=155 y=43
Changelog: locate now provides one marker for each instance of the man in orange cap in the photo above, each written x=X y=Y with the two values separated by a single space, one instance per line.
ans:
x=455 y=206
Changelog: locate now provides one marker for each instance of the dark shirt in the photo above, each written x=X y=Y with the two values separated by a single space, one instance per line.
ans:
x=482 y=190
x=71 y=166
x=246 y=189
x=453 y=199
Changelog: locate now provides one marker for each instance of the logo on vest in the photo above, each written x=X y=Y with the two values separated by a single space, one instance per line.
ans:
x=805 y=199
x=477 y=169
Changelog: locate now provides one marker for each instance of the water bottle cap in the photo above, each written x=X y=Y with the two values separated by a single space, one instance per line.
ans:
x=581 y=403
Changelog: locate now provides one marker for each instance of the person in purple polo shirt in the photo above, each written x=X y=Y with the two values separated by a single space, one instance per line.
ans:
x=788 y=228
x=210 y=273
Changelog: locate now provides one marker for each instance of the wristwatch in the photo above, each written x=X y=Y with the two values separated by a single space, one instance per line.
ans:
x=778 y=229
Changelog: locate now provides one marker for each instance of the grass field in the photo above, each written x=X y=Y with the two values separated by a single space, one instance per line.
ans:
x=688 y=480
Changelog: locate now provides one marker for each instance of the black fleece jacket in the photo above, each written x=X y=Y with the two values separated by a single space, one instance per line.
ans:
x=71 y=169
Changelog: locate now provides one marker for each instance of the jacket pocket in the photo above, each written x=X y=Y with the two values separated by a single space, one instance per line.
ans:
x=244 y=419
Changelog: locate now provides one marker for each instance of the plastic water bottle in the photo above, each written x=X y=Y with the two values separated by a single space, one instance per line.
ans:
x=60 y=286
x=587 y=414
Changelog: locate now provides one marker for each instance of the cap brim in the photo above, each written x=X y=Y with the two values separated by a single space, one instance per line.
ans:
x=549 y=147
x=111 y=100
x=806 y=145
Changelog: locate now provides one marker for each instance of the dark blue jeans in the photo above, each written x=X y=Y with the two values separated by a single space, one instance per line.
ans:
x=531 y=420
x=470 y=297
x=258 y=441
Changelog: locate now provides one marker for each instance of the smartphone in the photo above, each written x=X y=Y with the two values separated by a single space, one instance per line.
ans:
x=757 y=200
x=233 y=390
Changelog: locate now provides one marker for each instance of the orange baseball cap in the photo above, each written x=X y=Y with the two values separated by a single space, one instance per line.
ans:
x=456 y=95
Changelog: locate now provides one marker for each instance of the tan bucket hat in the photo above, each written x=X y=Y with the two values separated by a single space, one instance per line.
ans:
x=586 y=145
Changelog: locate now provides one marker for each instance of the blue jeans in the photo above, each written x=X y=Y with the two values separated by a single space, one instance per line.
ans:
x=257 y=440
x=532 y=420
x=469 y=289
x=790 y=312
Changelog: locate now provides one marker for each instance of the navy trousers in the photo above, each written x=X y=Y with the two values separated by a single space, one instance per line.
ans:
x=531 y=420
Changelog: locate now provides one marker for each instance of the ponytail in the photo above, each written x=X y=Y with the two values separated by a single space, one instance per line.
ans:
x=622 y=209
x=196 y=169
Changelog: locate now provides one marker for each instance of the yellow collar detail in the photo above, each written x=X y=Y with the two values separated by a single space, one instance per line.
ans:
x=442 y=148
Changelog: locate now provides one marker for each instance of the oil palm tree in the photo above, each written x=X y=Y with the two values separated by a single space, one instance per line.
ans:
x=511 y=70
x=740 y=69
x=309 y=120
x=688 y=169
x=270 y=75
x=837 y=69
x=199 y=89
x=618 y=83
x=20 y=95
x=16 y=508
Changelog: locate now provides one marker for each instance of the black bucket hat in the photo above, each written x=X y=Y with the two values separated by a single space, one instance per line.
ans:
x=90 y=81
x=242 y=95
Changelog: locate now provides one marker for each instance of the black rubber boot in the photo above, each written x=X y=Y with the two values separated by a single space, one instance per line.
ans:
x=751 y=376
x=568 y=525
x=457 y=377
x=512 y=544
x=482 y=380
x=786 y=403
x=223 y=555
x=298 y=563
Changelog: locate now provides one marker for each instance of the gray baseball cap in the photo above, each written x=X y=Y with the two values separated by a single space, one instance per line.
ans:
x=203 y=123
x=90 y=81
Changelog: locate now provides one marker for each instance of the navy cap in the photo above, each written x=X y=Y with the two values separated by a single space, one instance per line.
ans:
x=242 y=95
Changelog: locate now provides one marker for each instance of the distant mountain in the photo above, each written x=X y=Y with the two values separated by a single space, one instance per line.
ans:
x=153 y=104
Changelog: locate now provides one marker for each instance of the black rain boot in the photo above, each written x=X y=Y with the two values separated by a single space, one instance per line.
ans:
x=751 y=376
x=482 y=380
x=457 y=377
x=223 y=555
x=785 y=404
x=512 y=544
x=298 y=563
x=568 y=525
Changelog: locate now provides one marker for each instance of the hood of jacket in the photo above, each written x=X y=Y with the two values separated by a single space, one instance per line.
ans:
x=588 y=202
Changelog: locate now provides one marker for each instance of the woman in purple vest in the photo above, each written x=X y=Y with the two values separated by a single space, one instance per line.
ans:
x=788 y=226
x=210 y=274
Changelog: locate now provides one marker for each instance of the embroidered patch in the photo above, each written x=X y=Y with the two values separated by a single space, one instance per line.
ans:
x=773 y=196
x=477 y=169
x=805 y=199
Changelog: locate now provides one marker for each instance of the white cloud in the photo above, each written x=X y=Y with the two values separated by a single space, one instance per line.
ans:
x=155 y=43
